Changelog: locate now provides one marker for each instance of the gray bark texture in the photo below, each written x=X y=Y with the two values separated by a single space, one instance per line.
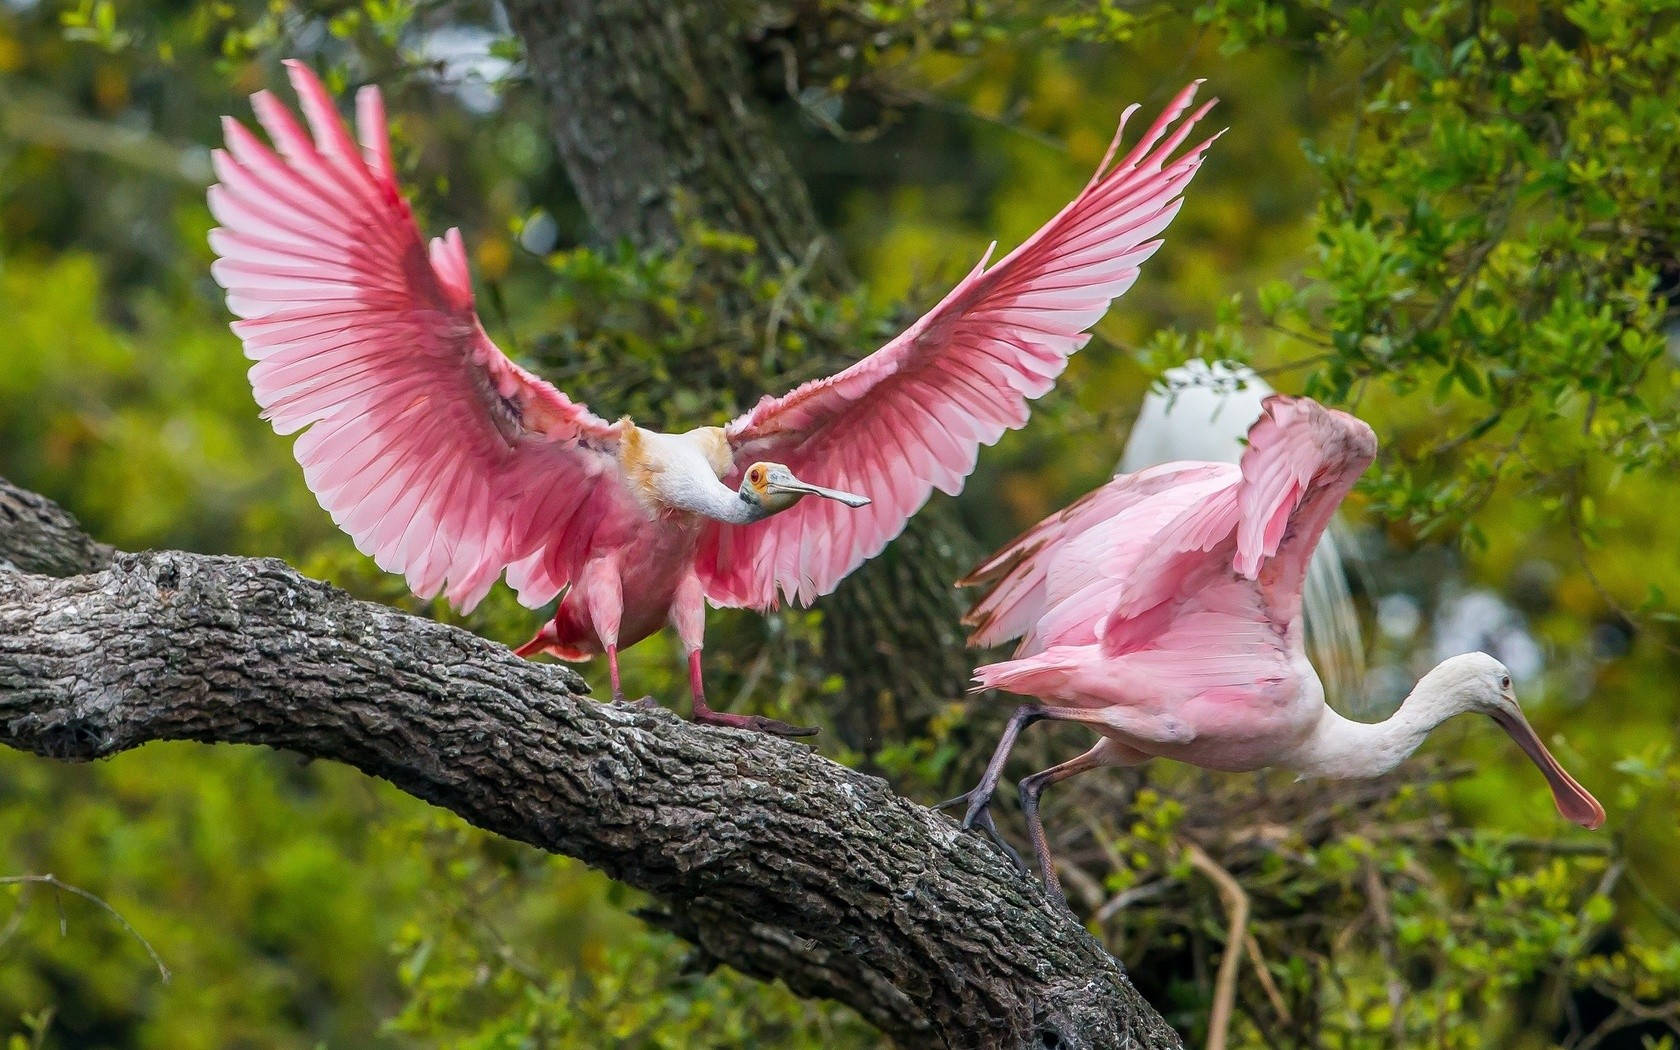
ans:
x=655 y=118
x=38 y=536
x=652 y=113
x=769 y=857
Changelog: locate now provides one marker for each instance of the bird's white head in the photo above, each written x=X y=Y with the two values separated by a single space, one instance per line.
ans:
x=1477 y=682
x=772 y=487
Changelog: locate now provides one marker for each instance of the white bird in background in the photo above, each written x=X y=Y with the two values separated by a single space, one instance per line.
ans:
x=1203 y=413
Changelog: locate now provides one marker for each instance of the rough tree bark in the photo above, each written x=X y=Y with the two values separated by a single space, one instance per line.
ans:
x=770 y=857
x=654 y=116
x=652 y=113
x=36 y=535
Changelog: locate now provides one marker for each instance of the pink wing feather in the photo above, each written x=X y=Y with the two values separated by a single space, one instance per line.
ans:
x=912 y=416
x=1030 y=589
x=1301 y=462
x=443 y=459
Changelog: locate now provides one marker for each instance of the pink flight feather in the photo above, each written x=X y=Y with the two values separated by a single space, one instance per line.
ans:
x=912 y=416
x=421 y=438
x=1200 y=561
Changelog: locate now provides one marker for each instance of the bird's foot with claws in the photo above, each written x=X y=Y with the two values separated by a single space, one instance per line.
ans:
x=756 y=723
x=646 y=703
x=979 y=815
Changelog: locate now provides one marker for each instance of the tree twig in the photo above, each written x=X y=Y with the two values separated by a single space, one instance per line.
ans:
x=1264 y=976
x=1383 y=918
x=60 y=886
x=1236 y=911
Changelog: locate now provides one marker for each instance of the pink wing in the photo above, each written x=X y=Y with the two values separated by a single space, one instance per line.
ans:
x=1085 y=580
x=1045 y=575
x=444 y=460
x=912 y=416
x=1302 y=461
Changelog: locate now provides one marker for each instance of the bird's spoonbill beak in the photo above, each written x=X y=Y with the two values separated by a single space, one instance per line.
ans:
x=1573 y=801
x=794 y=487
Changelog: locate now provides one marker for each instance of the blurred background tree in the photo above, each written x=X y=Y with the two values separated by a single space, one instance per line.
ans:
x=1455 y=218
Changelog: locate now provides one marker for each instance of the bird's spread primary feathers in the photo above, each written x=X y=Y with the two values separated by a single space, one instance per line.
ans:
x=912 y=416
x=442 y=459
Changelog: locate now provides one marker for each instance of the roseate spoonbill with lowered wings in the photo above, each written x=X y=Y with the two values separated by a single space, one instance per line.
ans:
x=1203 y=412
x=1163 y=610
x=449 y=463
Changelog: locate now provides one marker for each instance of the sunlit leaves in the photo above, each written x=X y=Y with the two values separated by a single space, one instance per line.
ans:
x=95 y=22
x=1487 y=232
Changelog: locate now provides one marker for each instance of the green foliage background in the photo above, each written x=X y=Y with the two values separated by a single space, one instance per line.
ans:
x=1457 y=218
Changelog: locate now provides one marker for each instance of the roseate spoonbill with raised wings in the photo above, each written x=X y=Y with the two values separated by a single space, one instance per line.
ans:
x=1202 y=411
x=1163 y=610
x=449 y=463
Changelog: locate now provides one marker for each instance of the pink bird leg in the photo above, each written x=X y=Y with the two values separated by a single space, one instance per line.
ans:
x=688 y=616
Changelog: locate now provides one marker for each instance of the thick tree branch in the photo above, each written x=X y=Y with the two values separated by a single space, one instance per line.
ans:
x=773 y=859
x=37 y=535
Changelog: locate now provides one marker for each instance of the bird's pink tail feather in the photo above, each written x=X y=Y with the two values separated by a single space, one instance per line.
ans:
x=1042 y=675
x=567 y=637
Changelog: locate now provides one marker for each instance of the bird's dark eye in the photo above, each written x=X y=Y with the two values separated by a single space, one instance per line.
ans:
x=1505 y=682
x=757 y=475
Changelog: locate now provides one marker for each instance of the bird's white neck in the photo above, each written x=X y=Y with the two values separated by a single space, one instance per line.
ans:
x=680 y=472
x=1340 y=748
x=711 y=498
